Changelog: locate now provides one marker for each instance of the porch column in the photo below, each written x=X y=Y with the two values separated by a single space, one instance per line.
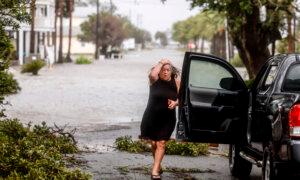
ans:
x=21 y=47
x=48 y=38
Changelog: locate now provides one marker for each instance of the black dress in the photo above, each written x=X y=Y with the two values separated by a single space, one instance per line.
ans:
x=158 y=121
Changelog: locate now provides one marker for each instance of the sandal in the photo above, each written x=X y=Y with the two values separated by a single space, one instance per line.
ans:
x=157 y=177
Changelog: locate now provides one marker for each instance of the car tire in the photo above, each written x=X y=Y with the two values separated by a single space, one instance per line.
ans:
x=268 y=168
x=238 y=166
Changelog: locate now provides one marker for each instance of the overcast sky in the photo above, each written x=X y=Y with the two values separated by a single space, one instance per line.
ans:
x=152 y=15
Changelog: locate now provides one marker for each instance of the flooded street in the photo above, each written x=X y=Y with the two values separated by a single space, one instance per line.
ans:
x=107 y=91
x=103 y=101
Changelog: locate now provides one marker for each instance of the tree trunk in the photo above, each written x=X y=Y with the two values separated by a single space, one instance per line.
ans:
x=54 y=38
x=218 y=47
x=291 y=44
x=212 y=45
x=202 y=45
x=253 y=57
x=32 y=32
x=222 y=43
x=68 y=58
x=97 y=31
x=196 y=41
x=294 y=33
x=252 y=41
x=273 y=48
x=104 y=50
x=61 y=15
x=231 y=50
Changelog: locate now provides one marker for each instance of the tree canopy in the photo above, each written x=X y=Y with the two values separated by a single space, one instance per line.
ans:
x=141 y=36
x=203 y=25
x=110 y=31
x=113 y=30
x=12 y=13
x=252 y=25
x=162 y=37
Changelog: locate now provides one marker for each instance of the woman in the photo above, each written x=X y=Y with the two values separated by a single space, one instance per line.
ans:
x=159 y=117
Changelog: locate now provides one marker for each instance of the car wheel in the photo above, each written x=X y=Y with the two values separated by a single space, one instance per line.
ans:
x=238 y=166
x=268 y=169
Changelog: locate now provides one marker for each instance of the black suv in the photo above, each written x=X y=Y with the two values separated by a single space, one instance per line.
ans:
x=261 y=123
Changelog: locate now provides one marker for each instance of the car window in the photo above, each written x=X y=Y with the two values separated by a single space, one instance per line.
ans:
x=207 y=74
x=269 y=78
x=292 y=79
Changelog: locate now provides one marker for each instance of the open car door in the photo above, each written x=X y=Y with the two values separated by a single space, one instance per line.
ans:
x=213 y=101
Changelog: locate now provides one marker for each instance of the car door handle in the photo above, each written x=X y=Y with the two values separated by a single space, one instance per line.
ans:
x=223 y=108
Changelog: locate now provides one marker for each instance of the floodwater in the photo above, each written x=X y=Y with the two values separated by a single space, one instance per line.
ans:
x=107 y=91
x=91 y=98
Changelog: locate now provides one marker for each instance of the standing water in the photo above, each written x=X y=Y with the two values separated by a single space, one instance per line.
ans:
x=92 y=98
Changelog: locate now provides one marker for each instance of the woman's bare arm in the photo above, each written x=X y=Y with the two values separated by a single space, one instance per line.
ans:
x=177 y=81
x=173 y=104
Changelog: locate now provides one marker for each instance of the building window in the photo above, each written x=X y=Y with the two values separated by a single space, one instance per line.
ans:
x=44 y=11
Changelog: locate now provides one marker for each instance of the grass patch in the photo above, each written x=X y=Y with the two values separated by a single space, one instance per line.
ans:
x=123 y=170
x=126 y=143
x=33 y=67
x=83 y=60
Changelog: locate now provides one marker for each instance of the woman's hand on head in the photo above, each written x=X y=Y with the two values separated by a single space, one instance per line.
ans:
x=165 y=61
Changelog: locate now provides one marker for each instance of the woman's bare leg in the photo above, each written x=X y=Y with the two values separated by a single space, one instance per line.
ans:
x=153 y=147
x=159 y=154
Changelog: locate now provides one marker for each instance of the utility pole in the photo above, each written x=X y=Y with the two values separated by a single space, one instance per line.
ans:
x=226 y=40
x=111 y=8
x=97 y=31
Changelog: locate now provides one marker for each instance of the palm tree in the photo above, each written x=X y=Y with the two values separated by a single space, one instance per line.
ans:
x=55 y=28
x=32 y=32
x=61 y=15
x=97 y=31
x=70 y=6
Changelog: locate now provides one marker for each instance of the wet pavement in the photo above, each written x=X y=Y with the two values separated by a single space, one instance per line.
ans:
x=103 y=101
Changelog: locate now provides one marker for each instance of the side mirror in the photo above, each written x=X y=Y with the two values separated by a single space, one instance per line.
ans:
x=231 y=84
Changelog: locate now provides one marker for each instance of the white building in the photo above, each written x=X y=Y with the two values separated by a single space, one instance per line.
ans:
x=78 y=47
x=44 y=28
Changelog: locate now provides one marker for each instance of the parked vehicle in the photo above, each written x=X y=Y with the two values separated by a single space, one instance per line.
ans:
x=261 y=123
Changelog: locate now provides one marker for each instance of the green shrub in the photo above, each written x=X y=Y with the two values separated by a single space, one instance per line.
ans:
x=236 y=61
x=35 y=152
x=127 y=144
x=186 y=148
x=282 y=46
x=249 y=83
x=172 y=147
x=8 y=84
x=83 y=60
x=33 y=67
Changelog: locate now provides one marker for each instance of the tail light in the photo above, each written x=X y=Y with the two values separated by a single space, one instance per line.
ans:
x=294 y=121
